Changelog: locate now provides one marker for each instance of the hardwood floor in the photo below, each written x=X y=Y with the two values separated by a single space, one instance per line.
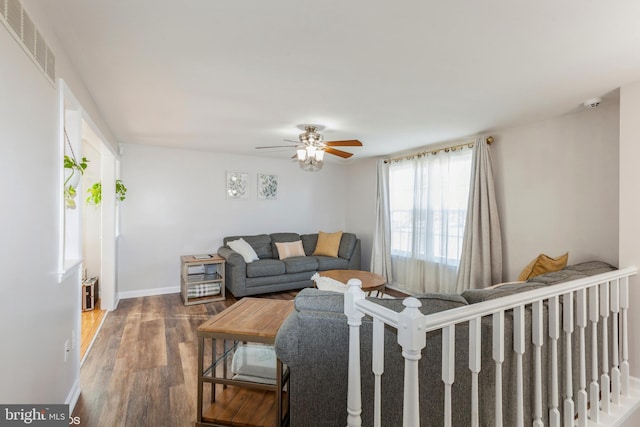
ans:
x=90 y=321
x=141 y=369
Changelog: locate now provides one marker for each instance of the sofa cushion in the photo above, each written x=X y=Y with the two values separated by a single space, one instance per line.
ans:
x=265 y=267
x=309 y=242
x=260 y=243
x=592 y=268
x=328 y=244
x=478 y=295
x=431 y=303
x=347 y=243
x=573 y=272
x=299 y=264
x=557 y=277
x=331 y=263
x=280 y=238
x=318 y=300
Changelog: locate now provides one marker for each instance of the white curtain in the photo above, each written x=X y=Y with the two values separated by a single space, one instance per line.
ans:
x=381 y=251
x=481 y=260
x=428 y=198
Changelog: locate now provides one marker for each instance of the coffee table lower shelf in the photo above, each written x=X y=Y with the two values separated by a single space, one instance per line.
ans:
x=237 y=406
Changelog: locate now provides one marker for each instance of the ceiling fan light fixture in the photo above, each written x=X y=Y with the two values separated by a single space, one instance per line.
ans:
x=311 y=148
x=311 y=165
x=310 y=158
x=311 y=151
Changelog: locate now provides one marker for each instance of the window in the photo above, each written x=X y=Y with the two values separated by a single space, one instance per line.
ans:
x=428 y=199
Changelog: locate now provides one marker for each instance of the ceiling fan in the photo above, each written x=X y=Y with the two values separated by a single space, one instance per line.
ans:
x=311 y=147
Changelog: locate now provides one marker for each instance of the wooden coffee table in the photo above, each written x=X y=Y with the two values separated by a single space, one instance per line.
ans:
x=249 y=320
x=371 y=282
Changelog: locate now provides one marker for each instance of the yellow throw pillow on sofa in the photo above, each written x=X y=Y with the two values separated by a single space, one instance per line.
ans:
x=543 y=264
x=328 y=244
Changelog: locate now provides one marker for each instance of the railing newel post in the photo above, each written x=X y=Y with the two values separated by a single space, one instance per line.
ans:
x=354 y=320
x=412 y=338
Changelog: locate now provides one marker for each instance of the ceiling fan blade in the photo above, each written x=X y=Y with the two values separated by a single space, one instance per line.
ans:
x=346 y=143
x=276 y=146
x=338 y=153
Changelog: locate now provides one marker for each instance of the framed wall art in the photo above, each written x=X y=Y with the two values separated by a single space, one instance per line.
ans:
x=267 y=186
x=237 y=185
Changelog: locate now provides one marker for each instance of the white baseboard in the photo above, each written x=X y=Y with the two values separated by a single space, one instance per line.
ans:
x=148 y=292
x=73 y=396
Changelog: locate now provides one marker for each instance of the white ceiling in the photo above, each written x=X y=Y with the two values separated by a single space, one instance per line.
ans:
x=230 y=75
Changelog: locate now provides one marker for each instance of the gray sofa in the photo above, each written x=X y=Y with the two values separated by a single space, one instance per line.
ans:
x=313 y=342
x=270 y=274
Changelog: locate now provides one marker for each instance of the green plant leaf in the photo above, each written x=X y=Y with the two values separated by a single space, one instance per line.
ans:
x=95 y=194
x=121 y=190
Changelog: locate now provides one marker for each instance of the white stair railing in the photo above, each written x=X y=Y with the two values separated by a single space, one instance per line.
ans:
x=596 y=298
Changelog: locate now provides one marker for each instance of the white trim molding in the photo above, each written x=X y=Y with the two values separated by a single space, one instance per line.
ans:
x=148 y=292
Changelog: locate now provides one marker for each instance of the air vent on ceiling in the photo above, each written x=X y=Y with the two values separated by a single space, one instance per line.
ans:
x=29 y=33
x=14 y=16
x=23 y=29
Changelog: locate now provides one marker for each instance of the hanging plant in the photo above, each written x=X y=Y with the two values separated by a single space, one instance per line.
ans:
x=71 y=182
x=95 y=192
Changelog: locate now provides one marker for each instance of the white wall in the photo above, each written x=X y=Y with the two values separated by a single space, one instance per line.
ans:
x=91 y=215
x=557 y=185
x=176 y=204
x=630 y=206
x=361 y=196
x=557 y=188
x=37 y=314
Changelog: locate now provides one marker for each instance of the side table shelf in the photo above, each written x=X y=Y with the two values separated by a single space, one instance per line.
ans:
x=201 y=280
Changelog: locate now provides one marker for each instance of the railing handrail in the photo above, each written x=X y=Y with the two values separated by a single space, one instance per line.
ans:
x=598 y=296
x=457 y=315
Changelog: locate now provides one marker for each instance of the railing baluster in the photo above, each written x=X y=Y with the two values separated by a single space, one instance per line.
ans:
x=537 y=336
x=581 y=321
x=448 y=368
x=624 y=305
x=594 y=388
x=567 y=326
x=519 y=348
x=475 y=363
x=412 y=338
x=605 y=381
x=615 y=370
x=554 y=334
x=377 y=366
x=608 y=298
x=498 y=357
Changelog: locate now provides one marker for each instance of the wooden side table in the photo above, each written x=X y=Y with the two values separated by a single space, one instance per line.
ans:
x=249 y=320
x=201 y=279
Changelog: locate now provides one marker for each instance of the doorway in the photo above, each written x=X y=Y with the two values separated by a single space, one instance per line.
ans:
x=98 y=235
x=92 y=312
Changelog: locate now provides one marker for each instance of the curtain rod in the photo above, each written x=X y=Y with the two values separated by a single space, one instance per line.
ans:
x=435 y=151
